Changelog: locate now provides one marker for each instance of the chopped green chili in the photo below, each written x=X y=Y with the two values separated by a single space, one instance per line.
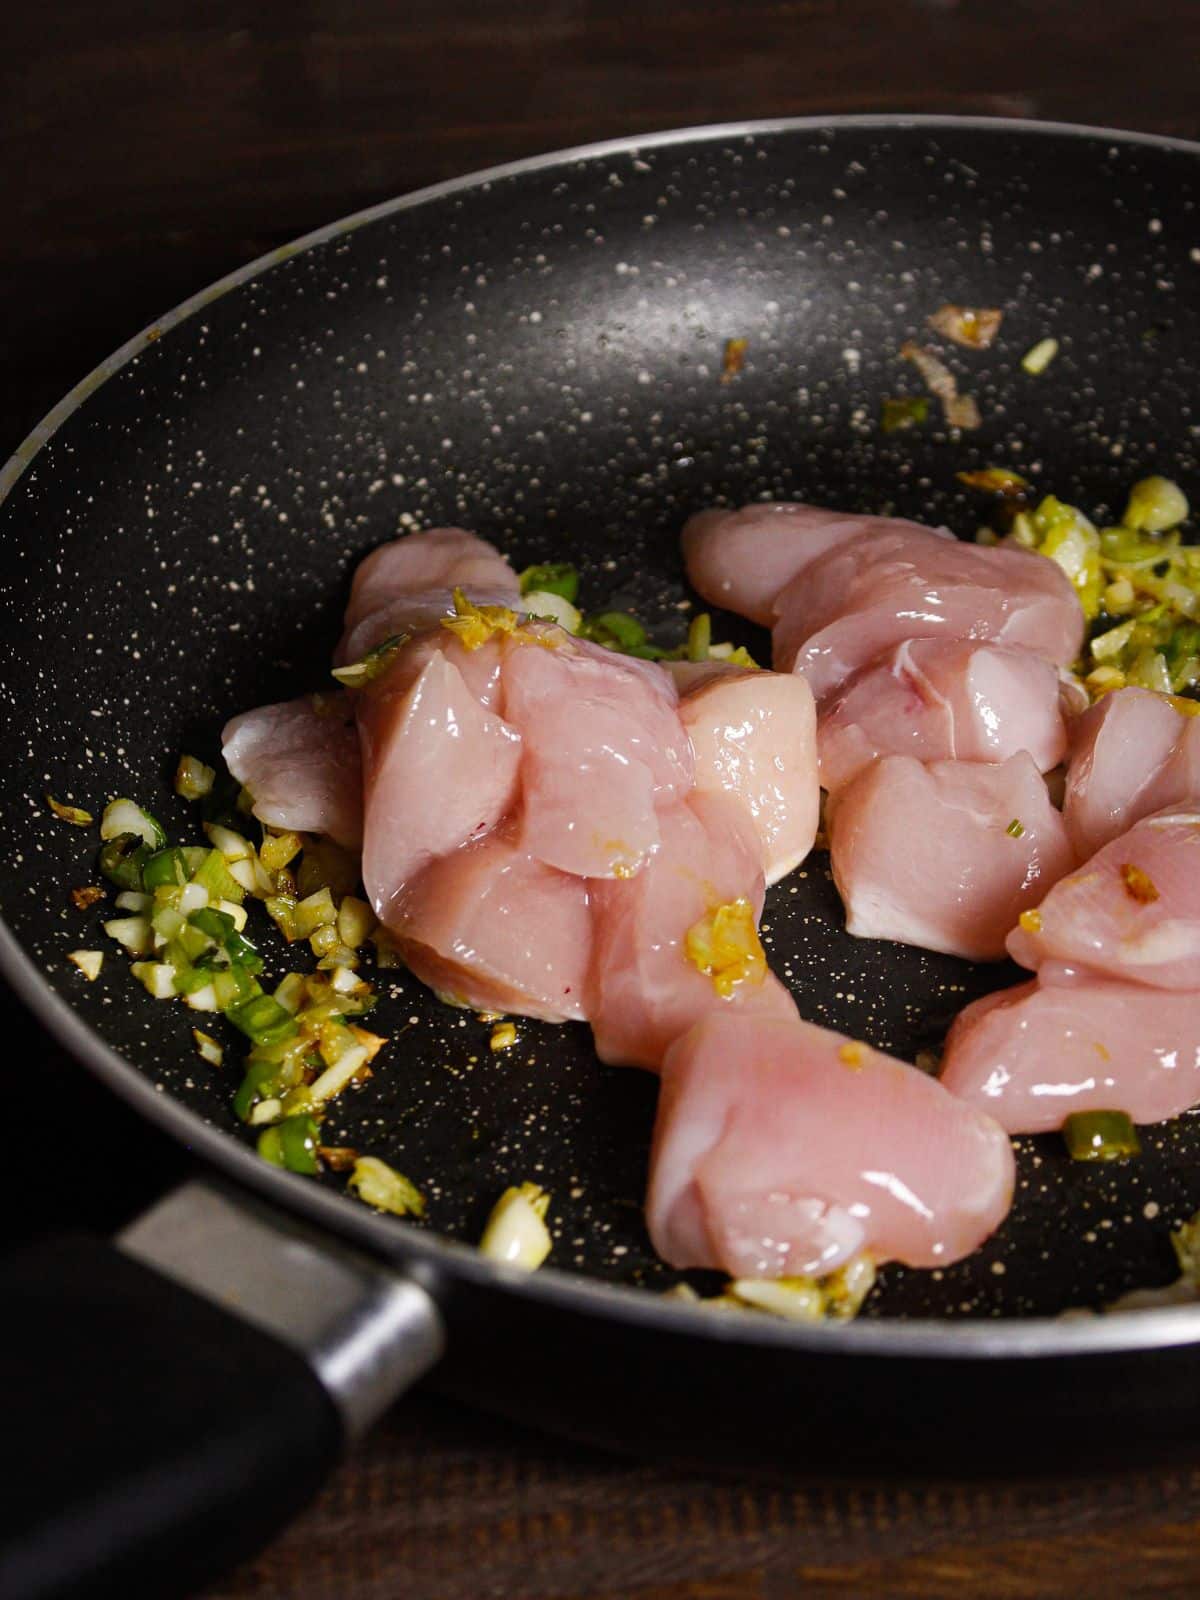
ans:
x=552 y=577
x=165 y=866
x=262 y=1019
x=291 y=1143
x=1101 y=1136
x=123 y=859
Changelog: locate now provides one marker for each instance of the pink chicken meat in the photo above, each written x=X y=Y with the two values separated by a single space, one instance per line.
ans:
x=945 y=855
x=644 y=991
x=1131 y=913
x=782 y=1149
x=1132 y=753
x=406 y=585
x=753 y=734
x=943 y=700
x=865 y=597
x=300 y=762
x=742 y=560
x=1032 y=1055
x=546 y=826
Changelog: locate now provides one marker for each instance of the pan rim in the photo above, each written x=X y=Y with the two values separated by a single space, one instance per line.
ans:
x=423 y=1255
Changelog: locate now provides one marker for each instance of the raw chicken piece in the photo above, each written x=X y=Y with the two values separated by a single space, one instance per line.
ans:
x=943 y=700
x=1132 y=753
x=604 y=748
x=781 y=1148
x=753 y=735
x=490 y=927
x=410 y=567
x=1032 y=1055
x=644 y=990
x=1132 y=912
x=742 y=559
x=300 y=761
x=925 y=855
x=438 y=769
x=900 y=582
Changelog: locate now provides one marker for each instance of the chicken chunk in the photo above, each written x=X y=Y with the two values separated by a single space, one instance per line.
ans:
x=943 y=700
x=1033 y=1054
x=945 y=856
x=781 y=1148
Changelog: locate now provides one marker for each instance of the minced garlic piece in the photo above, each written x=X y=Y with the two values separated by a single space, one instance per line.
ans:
x=852 y=1055
x=839 y=1295
x=504 y=1036
x=1031 y=921
x=474 y=625
x=725 y=947
x=516 y=1231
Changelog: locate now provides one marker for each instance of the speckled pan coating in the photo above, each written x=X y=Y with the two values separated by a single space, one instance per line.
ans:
x=537 y=354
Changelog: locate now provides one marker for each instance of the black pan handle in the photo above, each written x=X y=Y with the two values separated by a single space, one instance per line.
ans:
x=171 y=1400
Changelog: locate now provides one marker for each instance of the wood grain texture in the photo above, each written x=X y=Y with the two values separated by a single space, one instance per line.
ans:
x=452 y=1506
x=144 y=151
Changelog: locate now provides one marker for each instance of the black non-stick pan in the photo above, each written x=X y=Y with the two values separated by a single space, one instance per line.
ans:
x=537 y=354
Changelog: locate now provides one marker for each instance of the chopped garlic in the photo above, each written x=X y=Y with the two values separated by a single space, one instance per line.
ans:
x=725 y=947
x=1036 y=360
x=1155 y=504
x=516 y=1231
x=193 y=779
x=334 y=1079
x=475 y=625
x=504 y=1036
x=208 y=1047
x=135 y=933
x=837 y=1296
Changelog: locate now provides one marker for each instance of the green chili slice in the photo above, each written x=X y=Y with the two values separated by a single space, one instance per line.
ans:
x=1101 y=1136
x=166 y=866
x=262 y=1019
x=291 y=1143
x=552 y=577
x=123 y=859
x=615 y=628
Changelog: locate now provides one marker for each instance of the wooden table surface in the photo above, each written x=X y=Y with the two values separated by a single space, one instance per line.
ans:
x=144 y=151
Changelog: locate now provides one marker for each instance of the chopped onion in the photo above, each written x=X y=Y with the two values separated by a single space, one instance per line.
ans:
x=89 y=962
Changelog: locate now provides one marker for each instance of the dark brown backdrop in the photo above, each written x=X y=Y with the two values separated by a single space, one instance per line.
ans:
x=145 y=149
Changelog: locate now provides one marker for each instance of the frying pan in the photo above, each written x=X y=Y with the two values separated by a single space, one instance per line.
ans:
x=536 y=353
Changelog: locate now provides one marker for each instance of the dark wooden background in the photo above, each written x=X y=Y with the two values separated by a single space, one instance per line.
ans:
x=145 y=149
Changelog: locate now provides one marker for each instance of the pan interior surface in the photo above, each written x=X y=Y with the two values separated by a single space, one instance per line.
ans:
x=538 y=356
